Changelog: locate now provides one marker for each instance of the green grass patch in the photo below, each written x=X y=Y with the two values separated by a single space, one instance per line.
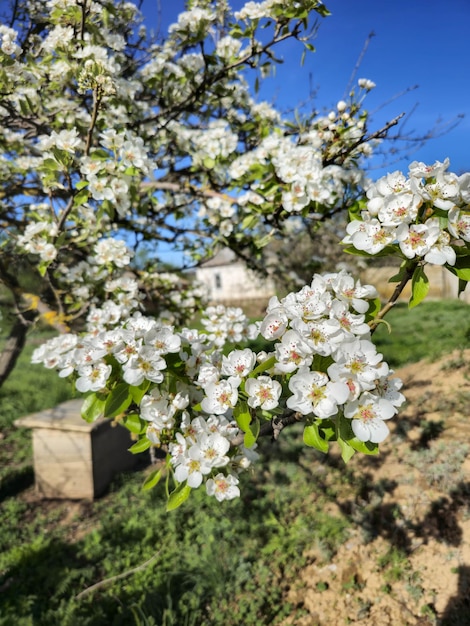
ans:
x=222 y=565
x=395 y=563
x=428 y=331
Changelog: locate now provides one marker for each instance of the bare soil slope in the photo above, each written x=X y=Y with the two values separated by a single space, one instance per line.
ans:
x=407 y=560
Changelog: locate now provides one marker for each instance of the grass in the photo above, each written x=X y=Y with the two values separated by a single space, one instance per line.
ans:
x=395 y=563
x=440 y=464
x=214 y=564
x=428 y=331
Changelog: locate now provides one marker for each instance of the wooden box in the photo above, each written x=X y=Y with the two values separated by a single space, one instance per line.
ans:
x=72 y=458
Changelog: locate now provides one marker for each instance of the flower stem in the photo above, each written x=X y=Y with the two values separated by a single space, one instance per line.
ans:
x=407 y=276
x=262 y=367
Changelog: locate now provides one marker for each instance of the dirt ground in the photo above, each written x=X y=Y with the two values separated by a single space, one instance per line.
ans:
x=407 y=561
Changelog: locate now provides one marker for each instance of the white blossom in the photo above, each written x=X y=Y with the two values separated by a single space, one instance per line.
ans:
x=223 y=487
x=314 y=393
x=368 y=413
x=263 y=392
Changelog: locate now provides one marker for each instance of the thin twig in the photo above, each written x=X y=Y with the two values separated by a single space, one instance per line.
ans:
x=185 y=188
x=108 y=581
x=83 y=19
x=65 y=214
x=94 y=117
x=378 y=134
x=394 y=297
x=273 y=427
x=358 y=64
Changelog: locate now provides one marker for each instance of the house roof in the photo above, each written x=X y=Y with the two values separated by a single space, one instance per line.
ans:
x=224 y=256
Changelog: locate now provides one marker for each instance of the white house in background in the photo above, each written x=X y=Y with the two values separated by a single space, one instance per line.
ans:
x=230 y=282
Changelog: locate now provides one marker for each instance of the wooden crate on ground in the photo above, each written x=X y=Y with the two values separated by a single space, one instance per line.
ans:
x=72 y=458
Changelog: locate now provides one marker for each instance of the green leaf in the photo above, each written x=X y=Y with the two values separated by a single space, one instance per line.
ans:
x=42 y=268
x=249 y=425
x=61 y=156
x=366 y=447
x=328 y=428
x=178 y=496
x=419 y=287
x=396 y=278
x=242 y=416
x=135 y=424
x=462 y=285
x=249 y=222
x=461 y=267
x=81 y=197
x=263 y=367
x=49 y=164
x=251 y=434
x=24 y=107
x=349 y=443
x=261 y=242
x=99 y=155
x=152 y=480
x=321 y=363
x=374 y=307
x=347 y=451
x=208 y=163
x=131 y=171
x=93 y=407
x=313 y=439
x=356 y=209
x=138 y=393
x=118 y=400
x=140 y=446
x=322 y=10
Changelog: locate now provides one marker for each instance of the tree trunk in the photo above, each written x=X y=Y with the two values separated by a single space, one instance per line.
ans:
x=14 y=344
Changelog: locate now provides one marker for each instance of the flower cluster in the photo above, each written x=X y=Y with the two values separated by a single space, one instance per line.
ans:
x=194 y=401
x=209 y=143
x=8 y=43
x=324 y=346
x=227 y=325
x=198 y=442
x=121 y=156
x=38 y=239
x=171 y=297
x=422 y=216
x=273 y=8
x=311 y=172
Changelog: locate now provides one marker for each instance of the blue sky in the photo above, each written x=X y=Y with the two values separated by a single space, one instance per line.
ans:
x=416 y=42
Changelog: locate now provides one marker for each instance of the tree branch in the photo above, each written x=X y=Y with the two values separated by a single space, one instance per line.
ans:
x=358 y=64
x=94 y=117
x=15 y=343
x=378 y=134
x=394 y=297
x=274 y=427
